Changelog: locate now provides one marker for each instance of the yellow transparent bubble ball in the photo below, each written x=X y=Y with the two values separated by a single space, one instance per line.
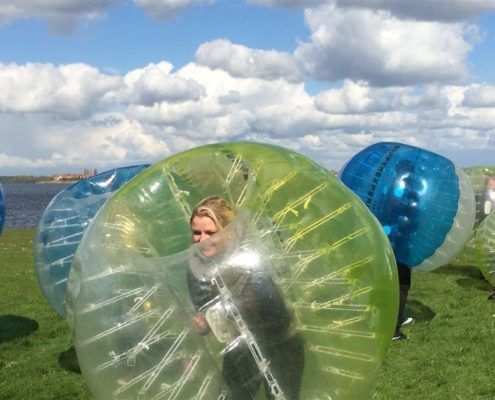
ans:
x=297 y=296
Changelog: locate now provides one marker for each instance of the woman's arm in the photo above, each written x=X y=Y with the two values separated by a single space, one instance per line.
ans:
x=201 y=293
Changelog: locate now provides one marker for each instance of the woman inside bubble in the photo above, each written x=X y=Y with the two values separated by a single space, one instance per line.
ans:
x=238 y=302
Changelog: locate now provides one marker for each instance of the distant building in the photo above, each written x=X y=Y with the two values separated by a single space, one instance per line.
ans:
x=72 y=177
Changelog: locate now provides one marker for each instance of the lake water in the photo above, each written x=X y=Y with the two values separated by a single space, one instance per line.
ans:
x=25 y=202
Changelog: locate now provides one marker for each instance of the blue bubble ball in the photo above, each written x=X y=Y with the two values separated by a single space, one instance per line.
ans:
x=424 y=203
x=63 y=224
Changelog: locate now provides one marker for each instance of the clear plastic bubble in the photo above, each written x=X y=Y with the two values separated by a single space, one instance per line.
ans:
x=301 y=291
x=483 y=182
x=424 y=203
x=479 y=251
x=2 y=208
x=63 y=224
x=485 y=248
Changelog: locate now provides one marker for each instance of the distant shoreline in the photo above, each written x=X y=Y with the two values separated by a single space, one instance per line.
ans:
x=22 y=181
x=53 y=182
x=40 y=182
x=33 y=179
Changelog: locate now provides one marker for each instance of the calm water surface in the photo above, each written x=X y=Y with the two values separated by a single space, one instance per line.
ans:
x=25 y=202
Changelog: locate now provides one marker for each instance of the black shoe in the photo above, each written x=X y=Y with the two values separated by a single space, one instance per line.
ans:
x=399 y=336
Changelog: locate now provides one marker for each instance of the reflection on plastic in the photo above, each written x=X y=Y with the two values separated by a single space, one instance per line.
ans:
x=424 y=203
x=63 y=224
x=301 y=300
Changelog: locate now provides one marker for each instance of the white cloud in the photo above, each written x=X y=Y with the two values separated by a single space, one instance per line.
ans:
x=479 y=96
x=377 y=47
x=155 y=83
x=73 y=115
x=243 y=62
x=426 y=10
x=7 y=161
x=103 y=142
x=275 y=107
x=360 y=97
x=70 y=91
x=258 y=104
x=165 y=9
x=61 y=15
x=397 y=74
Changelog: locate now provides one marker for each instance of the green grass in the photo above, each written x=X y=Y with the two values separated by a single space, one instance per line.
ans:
x=37 y=360
x=450 y=353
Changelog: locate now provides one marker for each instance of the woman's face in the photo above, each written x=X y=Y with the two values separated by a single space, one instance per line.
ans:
x=202 y=228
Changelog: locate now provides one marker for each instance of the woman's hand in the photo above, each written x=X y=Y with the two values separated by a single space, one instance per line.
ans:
x=199 y=324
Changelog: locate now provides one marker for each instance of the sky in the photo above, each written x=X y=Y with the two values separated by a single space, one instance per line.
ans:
x=110 y=83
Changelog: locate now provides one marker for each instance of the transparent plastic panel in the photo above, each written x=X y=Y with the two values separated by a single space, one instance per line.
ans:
x=63 y=224
x=299 y=292
x=418 y=198
x=461 y=230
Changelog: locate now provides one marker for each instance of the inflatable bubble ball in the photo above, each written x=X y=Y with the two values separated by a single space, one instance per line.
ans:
x=482 y=180
x=63 y=224
x=484 y=248
x=289 y=288
x=423 y=202
x=479 y=251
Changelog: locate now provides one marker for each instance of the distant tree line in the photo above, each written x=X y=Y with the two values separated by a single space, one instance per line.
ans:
x=25 y=179
x=45 y=178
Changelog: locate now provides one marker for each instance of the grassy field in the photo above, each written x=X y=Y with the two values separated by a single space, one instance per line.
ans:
x=450 y=353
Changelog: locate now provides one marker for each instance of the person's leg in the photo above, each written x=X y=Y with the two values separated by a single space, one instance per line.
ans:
x=240 y=373
x=287 y=362
x=404 y=285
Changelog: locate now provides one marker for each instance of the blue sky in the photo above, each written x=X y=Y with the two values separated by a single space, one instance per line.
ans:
x=482 y=58
x=127 y=38
x=109 y=83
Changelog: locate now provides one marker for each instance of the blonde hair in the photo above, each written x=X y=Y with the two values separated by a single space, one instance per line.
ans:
x=215 y=207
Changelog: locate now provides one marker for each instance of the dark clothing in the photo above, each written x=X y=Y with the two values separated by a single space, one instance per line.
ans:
x=286 y=360
x=404 y=285
x=201 y=291
x=404 y=275
x=259 y=302
x=263 y=310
